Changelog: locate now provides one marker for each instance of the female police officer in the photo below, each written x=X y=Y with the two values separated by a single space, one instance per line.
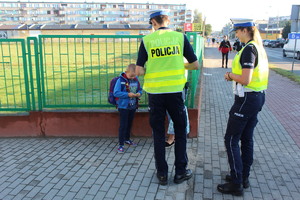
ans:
x=163 y=52
x=250 y=80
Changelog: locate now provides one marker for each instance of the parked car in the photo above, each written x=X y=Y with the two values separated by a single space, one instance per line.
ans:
x=266 y=42
x=288 y=49
x=281 y=42
x=273 y=43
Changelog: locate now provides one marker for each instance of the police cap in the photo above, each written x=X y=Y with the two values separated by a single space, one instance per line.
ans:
x=154 y=13
x=241 y=22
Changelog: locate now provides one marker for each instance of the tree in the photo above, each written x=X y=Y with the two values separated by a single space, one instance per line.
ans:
x=208 y=29
x=197 y=17
x=179 y=30
x=283 y=23
x=286 y=29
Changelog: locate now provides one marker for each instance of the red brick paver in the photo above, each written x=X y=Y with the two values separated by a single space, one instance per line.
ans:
x=283 y=98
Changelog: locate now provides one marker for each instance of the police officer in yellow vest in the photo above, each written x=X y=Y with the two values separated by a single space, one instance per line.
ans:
x=250 y=80
x=161 y=60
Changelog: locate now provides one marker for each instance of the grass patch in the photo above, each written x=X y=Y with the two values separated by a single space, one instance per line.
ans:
x=286 y=73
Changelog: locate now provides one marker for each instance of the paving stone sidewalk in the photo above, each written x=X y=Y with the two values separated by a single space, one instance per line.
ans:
x=90 y=168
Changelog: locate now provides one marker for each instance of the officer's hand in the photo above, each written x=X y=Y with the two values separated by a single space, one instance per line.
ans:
x=227 y=76
x=137 y=95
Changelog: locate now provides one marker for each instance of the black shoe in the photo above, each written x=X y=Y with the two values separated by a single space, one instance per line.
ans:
x=169 y=145
x=246 y=183
x=231 y=188
x=186 y=176
x=222 y=66
x=163 y=180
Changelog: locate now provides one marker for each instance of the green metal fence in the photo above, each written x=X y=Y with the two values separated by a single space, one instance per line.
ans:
x=14 y=83
x=76 y=70
x=70 y=71
x=194 y=75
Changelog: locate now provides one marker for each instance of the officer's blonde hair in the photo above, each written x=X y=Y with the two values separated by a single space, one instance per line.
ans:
x=255 y=35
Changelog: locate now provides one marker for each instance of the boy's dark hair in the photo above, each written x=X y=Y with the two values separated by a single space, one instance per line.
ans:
x=159 y=19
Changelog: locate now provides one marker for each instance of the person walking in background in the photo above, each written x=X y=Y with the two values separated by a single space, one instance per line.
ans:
x=250 y=80
x=127 y=90
x=163 y=52
x=237 y=45
x=208 y=41
x=213 y=41
x=224 y=48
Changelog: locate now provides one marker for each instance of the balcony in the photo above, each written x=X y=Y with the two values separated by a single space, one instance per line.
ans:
x=57 y=9
x=23 y=12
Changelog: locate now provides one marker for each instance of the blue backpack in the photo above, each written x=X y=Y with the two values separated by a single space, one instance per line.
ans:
x=111 y=98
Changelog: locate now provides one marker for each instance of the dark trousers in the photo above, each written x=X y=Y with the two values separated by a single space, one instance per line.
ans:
x=158 y=105
x=126 y=118
x=240 y=127
x=225 y=57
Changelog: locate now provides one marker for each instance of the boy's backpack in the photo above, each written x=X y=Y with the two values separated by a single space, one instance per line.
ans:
x=111 y=97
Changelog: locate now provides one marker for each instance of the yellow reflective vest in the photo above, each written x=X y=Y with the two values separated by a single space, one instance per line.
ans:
x=260 y=75
x=165 y=72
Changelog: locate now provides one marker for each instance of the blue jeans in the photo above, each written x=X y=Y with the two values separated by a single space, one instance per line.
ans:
x=240 y=127
x=126 y=118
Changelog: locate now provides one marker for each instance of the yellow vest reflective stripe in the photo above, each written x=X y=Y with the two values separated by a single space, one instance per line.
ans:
x=165 y=84
x=260 y=72
x=165 y=72
x=162 y=74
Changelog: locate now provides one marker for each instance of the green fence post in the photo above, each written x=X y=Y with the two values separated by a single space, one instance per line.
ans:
x=34 y=41
x=25 y=74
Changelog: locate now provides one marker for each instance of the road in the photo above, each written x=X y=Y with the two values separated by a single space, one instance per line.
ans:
x=275 y=58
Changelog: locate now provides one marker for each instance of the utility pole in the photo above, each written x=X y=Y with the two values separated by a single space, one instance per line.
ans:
x=295 y=18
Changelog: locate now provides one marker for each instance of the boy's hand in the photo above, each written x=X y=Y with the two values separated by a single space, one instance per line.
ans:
x=137 y=95
x=131 y=95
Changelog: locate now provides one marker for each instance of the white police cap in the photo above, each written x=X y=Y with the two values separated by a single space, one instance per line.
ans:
x=241 y=22
x=154 y=13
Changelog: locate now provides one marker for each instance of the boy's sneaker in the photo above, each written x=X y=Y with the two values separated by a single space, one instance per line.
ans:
x=131 y=143
x=121 y=149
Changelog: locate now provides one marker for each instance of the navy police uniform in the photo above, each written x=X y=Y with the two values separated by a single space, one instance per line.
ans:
x=248 y=102
x=242 y=121
x=160 y=102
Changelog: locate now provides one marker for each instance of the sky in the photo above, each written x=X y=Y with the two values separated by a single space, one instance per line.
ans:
x=219 y=12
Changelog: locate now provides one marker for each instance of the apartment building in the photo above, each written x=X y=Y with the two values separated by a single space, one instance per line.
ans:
x=80 y=12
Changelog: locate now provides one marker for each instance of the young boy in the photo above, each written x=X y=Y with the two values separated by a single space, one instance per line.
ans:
x=127 y=90
x=171 y=133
